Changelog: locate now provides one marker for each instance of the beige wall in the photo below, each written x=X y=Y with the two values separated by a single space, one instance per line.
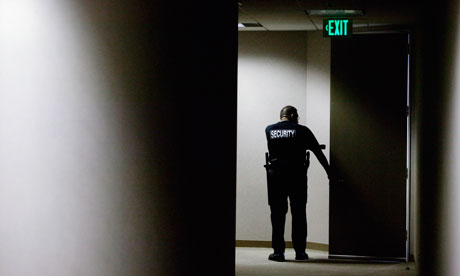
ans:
x=277 y=69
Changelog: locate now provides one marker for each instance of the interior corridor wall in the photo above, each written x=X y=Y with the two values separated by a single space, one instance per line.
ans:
x=277 y=69
x=438 y=159
x=318 y=120
x=117 y=138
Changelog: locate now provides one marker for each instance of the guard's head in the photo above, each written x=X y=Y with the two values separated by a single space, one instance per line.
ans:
x=289 y=113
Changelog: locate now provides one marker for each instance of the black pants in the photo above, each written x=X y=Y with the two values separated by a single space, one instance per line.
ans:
x=283 y=184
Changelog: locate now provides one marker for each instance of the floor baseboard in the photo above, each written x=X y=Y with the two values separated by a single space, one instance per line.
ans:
x=268 y=244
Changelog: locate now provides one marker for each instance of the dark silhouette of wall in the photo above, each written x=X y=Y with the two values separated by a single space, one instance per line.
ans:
x=178 y=62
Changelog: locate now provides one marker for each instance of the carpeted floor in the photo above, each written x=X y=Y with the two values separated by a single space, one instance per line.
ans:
x=254 y=262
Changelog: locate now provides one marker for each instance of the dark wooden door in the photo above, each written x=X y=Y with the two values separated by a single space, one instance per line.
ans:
x=369 y=146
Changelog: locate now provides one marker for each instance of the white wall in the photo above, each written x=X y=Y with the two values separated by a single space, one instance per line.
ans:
x=61 y=170
x=94 y=128
x=273 y=71
x=318 y=119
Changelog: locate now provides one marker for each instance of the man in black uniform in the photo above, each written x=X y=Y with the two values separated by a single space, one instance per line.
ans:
x=288 y=142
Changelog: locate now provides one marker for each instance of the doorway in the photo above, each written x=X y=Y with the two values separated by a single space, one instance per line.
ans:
x=369 y=114
x=273 y=70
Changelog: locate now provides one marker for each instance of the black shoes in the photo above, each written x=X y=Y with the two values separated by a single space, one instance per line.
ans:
x=277 y=257
x=301 y=256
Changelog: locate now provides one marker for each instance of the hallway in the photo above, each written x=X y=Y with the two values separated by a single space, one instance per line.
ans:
x=253 y=262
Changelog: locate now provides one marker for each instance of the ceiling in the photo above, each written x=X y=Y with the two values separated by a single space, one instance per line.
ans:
x=291 y=15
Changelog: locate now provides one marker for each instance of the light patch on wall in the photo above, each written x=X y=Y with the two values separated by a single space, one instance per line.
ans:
x=60 y=172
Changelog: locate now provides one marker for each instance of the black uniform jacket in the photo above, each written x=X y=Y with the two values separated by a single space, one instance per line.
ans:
x=288 y=143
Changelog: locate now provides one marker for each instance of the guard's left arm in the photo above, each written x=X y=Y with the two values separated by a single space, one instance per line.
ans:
x=322 y=160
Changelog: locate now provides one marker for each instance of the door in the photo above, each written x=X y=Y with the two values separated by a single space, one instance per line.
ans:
x=369 y=146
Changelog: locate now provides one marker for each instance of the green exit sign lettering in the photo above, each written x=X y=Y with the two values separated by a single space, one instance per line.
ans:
x=337 y=27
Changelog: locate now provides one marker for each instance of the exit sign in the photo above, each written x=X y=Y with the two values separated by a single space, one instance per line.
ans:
x=337 y=27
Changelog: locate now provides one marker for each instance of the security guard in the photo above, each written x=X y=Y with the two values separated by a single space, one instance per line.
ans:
x=288 y=142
